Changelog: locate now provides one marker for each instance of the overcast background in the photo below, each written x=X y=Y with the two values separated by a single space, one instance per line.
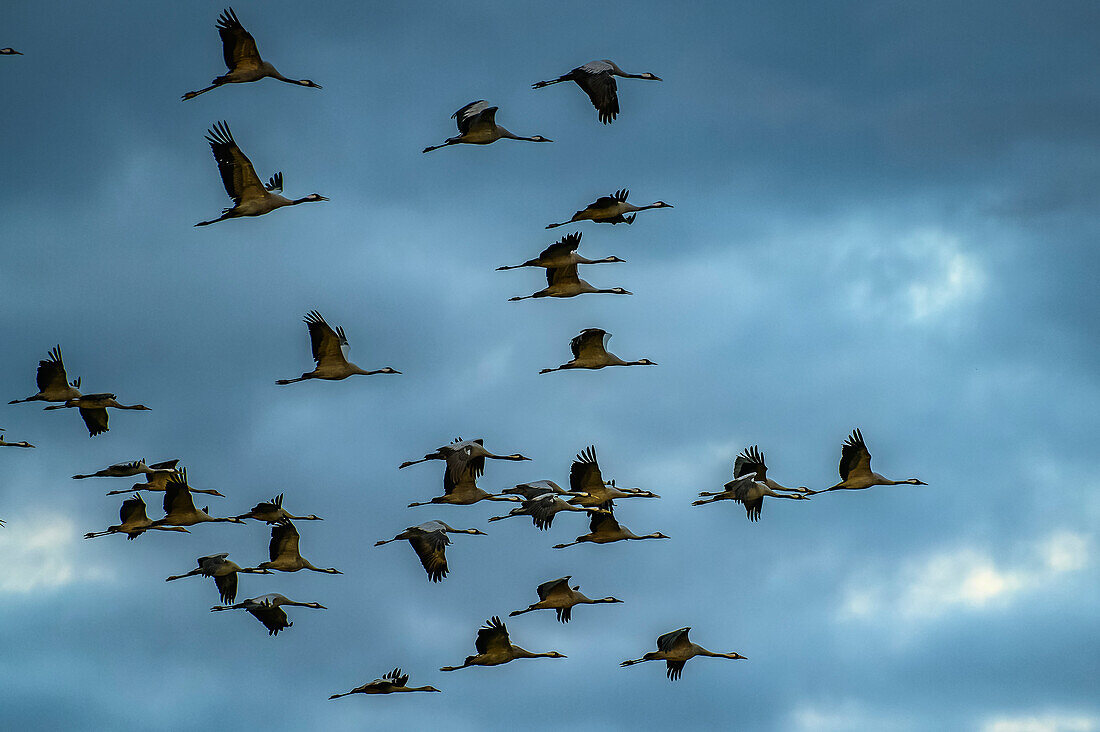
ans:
x=885 y=217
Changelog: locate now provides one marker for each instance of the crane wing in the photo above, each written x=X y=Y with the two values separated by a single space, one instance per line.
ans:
x=284 y=540
x=601 y=89
x=323 y=339
x=561 y=275
x=227 y=586
x=398 y=678
x=543 y=509
x=430 y=547
x=51 y=372
x=493 y=636
x=177 y=494
x=238 y=46
x=238 y=175
x=95 y=419
x=671 y=641
x=591 y=343
x=272 y=616
x=546 y=589
x=750 y=461
x=133 y=510
x=854 y=457
x=602 y=520
x=467 y=116
x=166 y=465
x=584 y=473
x=563 y=247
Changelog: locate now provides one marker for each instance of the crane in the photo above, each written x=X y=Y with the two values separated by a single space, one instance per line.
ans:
x=250 y=196
x=93 y=410
x=429 y=541
x=10 y=52
x=242 y=58
x=328 y=353
x=126 y=470
x=494 y=648
x=390 y=683
x=557 y=595
x=53 y=383
x=597 y=79
x=467 y=453
x=750 y=484
x=179 y=506
x=588 y=486
x=590 y=352
x=272 y=512
x=675 y=649
x=565 y=282
x=134 y=520
x=604 y=529
x=541 y=509
x=268 y=610
x=224 y=573
x=855 y=468
x=537 y=488
x=612 y=209
x=561 y=253
x=283 y=551
x=157 y=480
x=477 y=126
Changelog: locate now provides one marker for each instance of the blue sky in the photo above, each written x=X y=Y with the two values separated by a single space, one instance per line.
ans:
x=884 y=218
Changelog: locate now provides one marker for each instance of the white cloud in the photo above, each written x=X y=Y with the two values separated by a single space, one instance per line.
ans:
x=967 y=578
x=841 y=717
x=40 y=553
x=1041 y=723
x=922 y=273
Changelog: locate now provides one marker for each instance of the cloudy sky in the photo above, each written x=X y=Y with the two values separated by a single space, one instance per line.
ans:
x=885 y=217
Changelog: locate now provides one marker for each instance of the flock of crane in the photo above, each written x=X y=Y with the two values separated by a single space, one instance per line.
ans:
x=464 y=460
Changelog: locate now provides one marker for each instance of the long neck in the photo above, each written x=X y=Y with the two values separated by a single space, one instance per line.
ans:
x=733 y=656
x=510 y=136
x=330 y=570
x=524 y=653
x=639 y=362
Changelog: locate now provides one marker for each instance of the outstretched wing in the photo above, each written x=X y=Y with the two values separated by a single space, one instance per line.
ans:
x=602 y=520
x=396 y=677
x=95 y=418
x=600 y=88
x=854 y=457
x=284 y=540
x=275 y=183
x=493 y=637
x=51 y=372
x=166 y=465
x=323 y=339
x=238 y=175
x=133 y=510
x=591 y=343
x=750 y=461
x=177 y=494
x=238 y=45
x=478 y=111
x=430 y=547
x=584 y=473
x=546 y=589
x=670 y=641
x=227 y=586
x=272 y=616
x=563 y=247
